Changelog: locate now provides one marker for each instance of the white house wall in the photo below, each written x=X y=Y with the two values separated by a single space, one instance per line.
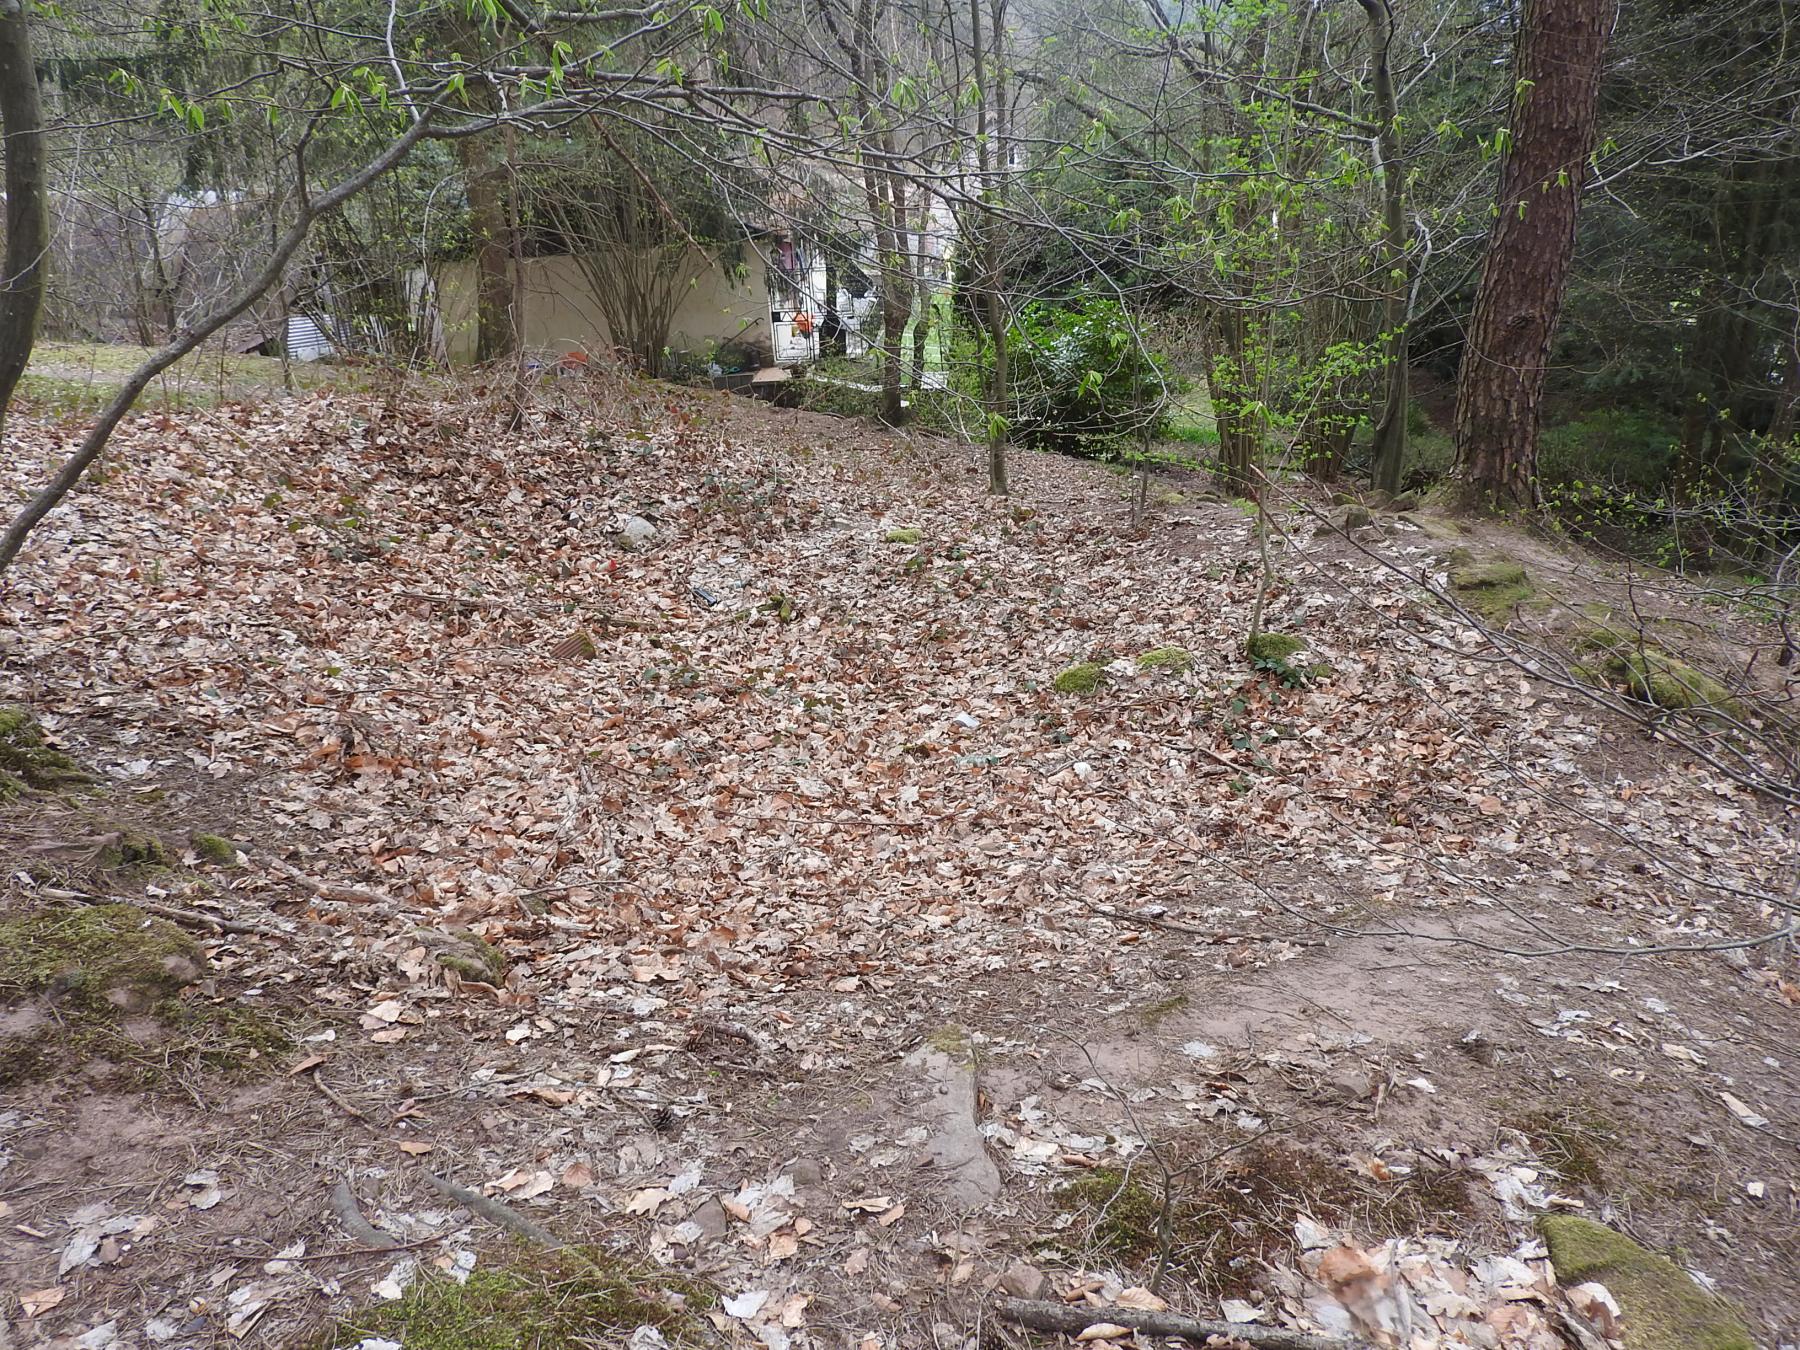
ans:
x=562 y=314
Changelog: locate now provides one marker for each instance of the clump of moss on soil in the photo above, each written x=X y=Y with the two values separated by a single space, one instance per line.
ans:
x=565 y=1300
x=94 y=981
x=906 y=534
x=1222 y=1232
x=1493 y=589
x=125 y=850
x=1271 y=648
x=1663 y=1309
x=1083 y=678
x=26 y=761
x=473 y=957
x=1647 y=672
x=214 y=848
x=1176 y=659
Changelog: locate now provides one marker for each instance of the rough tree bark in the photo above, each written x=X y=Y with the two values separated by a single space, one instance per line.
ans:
x=27 y=213
x=994 y=165
x=1525 y=271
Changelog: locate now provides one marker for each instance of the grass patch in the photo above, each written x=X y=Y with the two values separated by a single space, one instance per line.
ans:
x=565 y=1300
x=1221 y=1229
x=76 y=379
x=1083 y=678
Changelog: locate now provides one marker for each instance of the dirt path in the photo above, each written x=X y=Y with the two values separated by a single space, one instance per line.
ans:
x=800 y=938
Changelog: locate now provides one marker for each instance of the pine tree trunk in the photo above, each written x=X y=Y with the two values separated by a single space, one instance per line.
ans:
x=27 y=214
x=1525 y=271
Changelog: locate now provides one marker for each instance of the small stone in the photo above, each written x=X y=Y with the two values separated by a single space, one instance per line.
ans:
x=711 y=1220
x=1351 y=517
x=637 y=533
x=1350 y=1084
x=807 y=1171
x=1021 y=1280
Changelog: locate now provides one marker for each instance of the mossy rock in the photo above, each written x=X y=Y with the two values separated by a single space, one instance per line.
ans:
x=470 y=955
x=87 y=971
x=906 y=534
x=1662 y=1307
x=1083 y=678
x=126 y=850
x=1493 y=589
x=214 y=848
x=563 y=1300
x=1647 y=672
x=1176 y=659
x=1273 y=648
x=26 y=761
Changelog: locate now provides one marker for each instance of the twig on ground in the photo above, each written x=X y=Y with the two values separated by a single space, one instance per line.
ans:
x=187 y=918
x=1073 y=1321
x=602 y=618
x=333 y=1098
x=330 y=890
x=350 y=1219
x=494 y=1212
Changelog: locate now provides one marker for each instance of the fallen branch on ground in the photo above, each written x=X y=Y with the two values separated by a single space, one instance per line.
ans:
x=1073 y=1321
x=330 y=890
x=187 y=918
x=494 y=1212
x=350 y=1219
x=333 y=1098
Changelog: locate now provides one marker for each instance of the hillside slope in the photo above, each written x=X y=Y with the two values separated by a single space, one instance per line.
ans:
x=667 y=815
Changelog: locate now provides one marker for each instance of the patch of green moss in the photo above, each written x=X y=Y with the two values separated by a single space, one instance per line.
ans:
x=473 y=958
x=952 y=1041
x=88 y=969
x=1083 y=678
x=89 y=954
x=906 y=534
x=1647 y=672
x=564 y=1300
x=94 y=982
x=1125 y=1214
x=237 y=1036
x=1272 y=647
x=26 y=761
x=214 y=848
x=1177 y=659
x=126 y=849
x=1663 y=1309
x=1494 y=589
x=1163 y=1007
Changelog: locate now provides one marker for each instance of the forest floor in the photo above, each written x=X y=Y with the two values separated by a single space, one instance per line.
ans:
x=661 y=819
